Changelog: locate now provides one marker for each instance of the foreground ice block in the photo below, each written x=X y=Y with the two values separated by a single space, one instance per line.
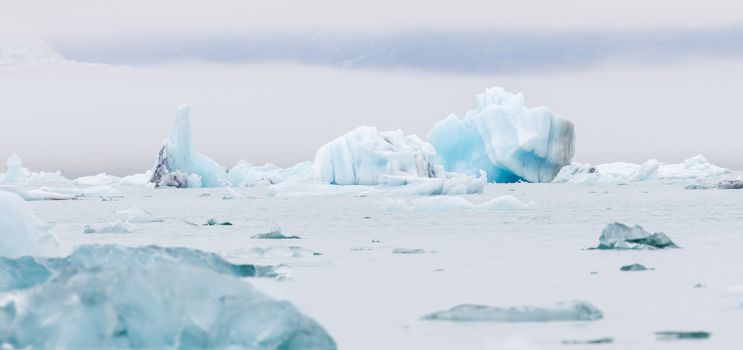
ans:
x=103 y=297
x=21 y=232
x=508 y=140
x=569 y=311
x=366 y=156
x=180 y=165
x=620 y=236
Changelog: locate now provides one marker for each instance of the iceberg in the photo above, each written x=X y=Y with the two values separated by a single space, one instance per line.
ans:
x=98 y=179
x=180 y=165
x=506 y=139
x=21 y=232
x=16 y=174
x=696 y=167
x=568 y=311
x=620 y=236
x=366 y=156
x=245 y=174
x=151 y=297
x=454 y=203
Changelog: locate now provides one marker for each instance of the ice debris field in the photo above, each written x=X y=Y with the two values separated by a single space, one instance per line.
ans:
x=484 y=235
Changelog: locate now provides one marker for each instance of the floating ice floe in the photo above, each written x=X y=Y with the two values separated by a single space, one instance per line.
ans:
x=280 y=252
x=366 y=156
x=99 y=179
x=567 y=311
x=214 y=222
x=151 y=297
x=681 y=335
x=454 y=203
x=409 y=251
x=137 y=215
x=634 y=267
x=620 y=236
x=99 y=191
x=141 y=179
x=16 y=174
x=21 y=232
x=694 y=168
x=605 y=340
x=119 y=227
x=508 y=140
x=275 y=233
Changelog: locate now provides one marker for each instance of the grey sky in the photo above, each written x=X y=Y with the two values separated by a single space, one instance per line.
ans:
x=272 y=82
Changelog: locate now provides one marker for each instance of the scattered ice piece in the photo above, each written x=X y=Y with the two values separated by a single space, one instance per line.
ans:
x=99 y=191
x=39 y=195
x=409 y=251
x=694 y=168
x=16 y=174
x=506 y=203
x=281 y=252
x=605 y=340
x=700 y=285
x=634 y=267
x=99 y=179
x=567 y=311
x=681 y=335
x=273 y=234
x=152 y=297
x=245 y=174
x=620 y=236
x=232 y=194
x=214 y=222
x=137 y=215
x=21 y=232
x=13 y=175
x=137 y=179
x=119 y=227
x=730 y=184
x=508 y=140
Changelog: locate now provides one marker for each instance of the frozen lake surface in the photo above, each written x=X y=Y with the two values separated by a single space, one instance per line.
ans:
x=368 y=297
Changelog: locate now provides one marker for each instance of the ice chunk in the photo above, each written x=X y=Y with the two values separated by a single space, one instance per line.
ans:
x=16 y=174
x=246 y=174
x=567 y=311
x=21 y=232
x=21 y=273
x=275 y=233
x=13 y=174
x=137 y=179
x=443 y=203
x=620 y=236
x=696 y=167
x=178 y=159
x=605 y=340
x=508 y=140
x=39 y=195
x=99 y=179
x=633 y=267
x=281 y=252
x=730 y=184
x=152 y=297
x=214 y=222
x=681 y=335
x=408 y=251
x=506 y=203
x=119 y=227
x=138 y=215
x=100 y=191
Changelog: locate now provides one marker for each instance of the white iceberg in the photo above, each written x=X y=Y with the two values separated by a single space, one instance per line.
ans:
x=151 y=297
x=694 y=168
x=98 y=179
x=506 y=139
x=455 y=203
x=21 y=232
x=16 y=174
x=568 y=311
x=245 y=174
x=366 y=156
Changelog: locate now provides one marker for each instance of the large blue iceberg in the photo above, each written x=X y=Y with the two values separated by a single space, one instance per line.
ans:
x=107 y=296
x=506 y=139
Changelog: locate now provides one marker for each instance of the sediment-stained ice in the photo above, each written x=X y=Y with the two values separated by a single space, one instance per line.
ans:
x=21 y=232
x=730 y=184
x=178 y=159
x=681 y=335
x=696 y=167
x=506 y=139
x=621 y=236
x=567 y=311
x=152 y=297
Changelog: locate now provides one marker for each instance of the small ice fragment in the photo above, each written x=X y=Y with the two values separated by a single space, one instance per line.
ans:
x=700 y=187
x=232 y=194
x=137 y=215
x=730 y=184
x=506 y=203
x=604 y=340
x=281 y=252
x=275 y=233
x=119 y=227
x=214 y=222
x=620 y=236
x=633 y=267
x=408 y=251
x=568 y=311
x=681 y=335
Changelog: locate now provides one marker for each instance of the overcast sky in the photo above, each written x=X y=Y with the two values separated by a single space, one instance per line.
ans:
x=272 y=81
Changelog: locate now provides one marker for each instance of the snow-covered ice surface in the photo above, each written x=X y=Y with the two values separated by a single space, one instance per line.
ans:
x=368 y=297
